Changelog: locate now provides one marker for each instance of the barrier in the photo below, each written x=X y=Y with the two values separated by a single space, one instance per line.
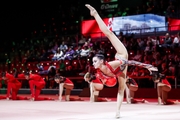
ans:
x=140 y=93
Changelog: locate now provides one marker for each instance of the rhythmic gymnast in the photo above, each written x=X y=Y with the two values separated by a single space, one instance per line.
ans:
x=107 y=72
x=12 y=84
x=68 y=85
x=96 y=86
x=131 y=88
x=36 y=84
x=163 y=88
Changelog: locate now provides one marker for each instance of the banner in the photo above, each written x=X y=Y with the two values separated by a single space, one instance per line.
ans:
x=174 y=24
x=109 y=6
x=128 y=24
x=90 y=27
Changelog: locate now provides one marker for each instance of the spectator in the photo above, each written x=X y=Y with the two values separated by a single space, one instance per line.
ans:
x=63 y=46
x=58 y=55
x=176 y=41
x=167 y=41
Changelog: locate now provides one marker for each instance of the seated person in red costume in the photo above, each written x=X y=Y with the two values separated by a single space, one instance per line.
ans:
x=36 y=84
x=131 y=88
x=13 y=85
x=67 y=84
x=96 y=86
x=163 y=88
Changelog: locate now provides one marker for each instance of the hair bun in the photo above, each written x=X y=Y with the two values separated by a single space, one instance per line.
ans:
x=100 y=52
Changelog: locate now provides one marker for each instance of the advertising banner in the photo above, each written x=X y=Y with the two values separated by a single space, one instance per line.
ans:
x=128 y=24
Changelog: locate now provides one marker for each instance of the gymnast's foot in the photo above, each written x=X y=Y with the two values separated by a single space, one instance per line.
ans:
x=176 y=102
x=93 y=12
x=144 y=101
x=7 y=98
x=117 y=114
x=32 y=99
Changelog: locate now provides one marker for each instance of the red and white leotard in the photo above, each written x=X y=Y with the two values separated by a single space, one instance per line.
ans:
x=68 y=81
x=116 y=71
x=109 y=81
x=97 y=80
x=165 y=81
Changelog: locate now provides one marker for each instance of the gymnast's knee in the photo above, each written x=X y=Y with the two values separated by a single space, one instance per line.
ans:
x=121 y=91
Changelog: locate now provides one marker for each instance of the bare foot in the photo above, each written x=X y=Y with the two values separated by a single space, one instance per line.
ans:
x=176 y=102
x=117 y=115
x=93 y=12
x=144 y=101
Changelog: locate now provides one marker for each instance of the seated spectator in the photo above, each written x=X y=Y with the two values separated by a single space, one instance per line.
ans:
x=41 y=70
x=157 y=60
x=141 y=44
x=138 y=56
x=44 y=55
x=176 y=41
x=146 y=60
x=135 y=72
x=143 y=72
x=164 y=68
x=82 y=40
x=88 y=43
x=57 y=56
x=85 y=51
x=63 y=46
x=149 y=47
x=167 y=41
x=156 y=42
x=62 y=66
x=77 y=52
x=69 y=54
x=171 y=69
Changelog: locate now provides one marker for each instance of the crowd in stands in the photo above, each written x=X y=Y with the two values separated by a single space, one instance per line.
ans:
x=75 y=59
x=71 y=54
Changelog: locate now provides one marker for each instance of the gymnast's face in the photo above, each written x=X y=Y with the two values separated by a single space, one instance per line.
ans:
x=97 y=62
x=27 y=77
x=4 y=78
x=57 y=80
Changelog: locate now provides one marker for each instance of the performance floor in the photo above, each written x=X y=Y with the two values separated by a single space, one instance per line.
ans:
x=85 y=110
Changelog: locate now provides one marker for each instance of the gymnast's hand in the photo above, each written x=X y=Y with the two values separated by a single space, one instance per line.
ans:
x=87 y=77
x=93 y=12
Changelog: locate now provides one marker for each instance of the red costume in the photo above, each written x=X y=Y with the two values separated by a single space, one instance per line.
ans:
x=68 y=81
x=13 y=85
x=107 y=80
x=38 y=82
x=165 y=81
x=97 y=81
